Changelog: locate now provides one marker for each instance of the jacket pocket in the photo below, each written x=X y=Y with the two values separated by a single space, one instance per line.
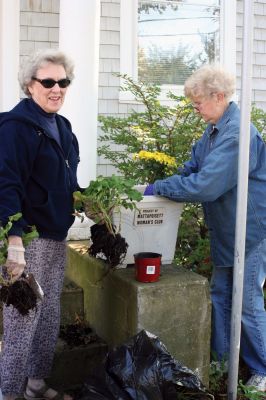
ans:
x=55 y=215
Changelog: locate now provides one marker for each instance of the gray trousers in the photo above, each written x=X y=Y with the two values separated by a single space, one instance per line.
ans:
x=29 y=341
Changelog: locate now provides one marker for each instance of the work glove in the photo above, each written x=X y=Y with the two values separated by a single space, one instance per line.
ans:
x=15 y=262
x=149 y=190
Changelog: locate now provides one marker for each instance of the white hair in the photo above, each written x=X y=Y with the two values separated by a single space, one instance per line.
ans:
x=39 y=60
x=210 y=79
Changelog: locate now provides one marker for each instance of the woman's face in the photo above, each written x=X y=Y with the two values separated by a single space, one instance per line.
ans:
x=210 y=108
x=49 y=99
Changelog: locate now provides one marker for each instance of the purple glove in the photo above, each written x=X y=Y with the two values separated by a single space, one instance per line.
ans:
x=149 y=190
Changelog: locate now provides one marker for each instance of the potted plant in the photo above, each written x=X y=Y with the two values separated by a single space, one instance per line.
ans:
x=151 y=143
x=99 y=200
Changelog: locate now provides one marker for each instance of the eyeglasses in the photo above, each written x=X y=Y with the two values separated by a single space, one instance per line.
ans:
x=203 y=100
x=49 y=83
x=197 y=104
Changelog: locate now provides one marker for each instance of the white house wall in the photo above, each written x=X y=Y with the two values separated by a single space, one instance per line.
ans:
x=259 y=60
x=259 y=51
x=9 y=53
x=39 y=25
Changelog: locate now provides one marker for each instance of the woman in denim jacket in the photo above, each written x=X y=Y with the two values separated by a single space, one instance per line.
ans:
x=210 y=177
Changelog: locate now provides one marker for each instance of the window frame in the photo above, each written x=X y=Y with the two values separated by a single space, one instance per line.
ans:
x=129 y=44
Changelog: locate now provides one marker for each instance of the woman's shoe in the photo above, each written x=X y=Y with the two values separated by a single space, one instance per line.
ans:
x=40 y=394
x=258 y=382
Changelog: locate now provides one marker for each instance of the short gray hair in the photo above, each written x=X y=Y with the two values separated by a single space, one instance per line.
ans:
x=38 y=60
x=210 y=79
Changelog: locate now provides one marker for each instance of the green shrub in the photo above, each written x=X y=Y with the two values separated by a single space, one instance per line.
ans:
x=168 y=130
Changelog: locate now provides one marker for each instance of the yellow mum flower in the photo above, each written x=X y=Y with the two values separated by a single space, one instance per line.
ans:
x=161 y=158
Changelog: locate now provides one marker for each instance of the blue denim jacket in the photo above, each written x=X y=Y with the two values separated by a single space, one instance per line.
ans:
x=210 y=177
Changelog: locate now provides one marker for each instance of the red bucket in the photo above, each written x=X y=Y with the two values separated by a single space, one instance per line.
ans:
x=147 y=266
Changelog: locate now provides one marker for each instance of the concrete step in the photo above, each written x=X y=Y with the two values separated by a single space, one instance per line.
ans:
x=72 y=304
x=72 y=365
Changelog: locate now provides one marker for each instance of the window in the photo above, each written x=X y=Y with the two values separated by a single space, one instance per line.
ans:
x=163 y=42
x=175 y=38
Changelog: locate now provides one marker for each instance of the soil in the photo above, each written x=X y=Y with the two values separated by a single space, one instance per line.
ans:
x=78 y=334
x=108 y=247
x=20 y=295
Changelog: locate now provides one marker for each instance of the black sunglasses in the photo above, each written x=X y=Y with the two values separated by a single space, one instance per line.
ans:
x=49 y=83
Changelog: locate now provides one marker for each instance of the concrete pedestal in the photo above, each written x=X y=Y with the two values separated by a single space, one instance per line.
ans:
x=176 y=308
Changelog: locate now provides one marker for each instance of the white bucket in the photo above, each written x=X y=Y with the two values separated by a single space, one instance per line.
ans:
x=152 y=227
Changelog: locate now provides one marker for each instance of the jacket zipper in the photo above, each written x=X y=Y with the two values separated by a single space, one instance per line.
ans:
x=63 y=154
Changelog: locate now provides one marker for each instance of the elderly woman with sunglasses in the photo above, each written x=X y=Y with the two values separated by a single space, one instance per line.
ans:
x=210 y=177
x=39 y=156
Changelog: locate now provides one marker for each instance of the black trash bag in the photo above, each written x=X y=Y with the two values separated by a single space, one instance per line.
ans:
x=101 y=388
x=142 y=369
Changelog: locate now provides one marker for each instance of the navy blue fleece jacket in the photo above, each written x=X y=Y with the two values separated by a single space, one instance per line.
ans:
x=37 y=175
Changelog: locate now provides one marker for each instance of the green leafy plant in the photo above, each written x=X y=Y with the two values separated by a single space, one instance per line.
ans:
x=193 y=245
x=258 y=117
x=218 y=381
x=26 y=237
x=103 y=196
x=249 y=392
x=218 y=376
x=20 y=293
x=99 y=200
x=157 y=130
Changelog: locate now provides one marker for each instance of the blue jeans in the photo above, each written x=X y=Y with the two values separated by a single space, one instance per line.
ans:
x=253 y=327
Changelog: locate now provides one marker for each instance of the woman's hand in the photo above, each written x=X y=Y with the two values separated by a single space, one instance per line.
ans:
x=148 y=190
x=15 y=262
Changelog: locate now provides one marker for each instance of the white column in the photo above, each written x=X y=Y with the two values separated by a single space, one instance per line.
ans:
x=9 y=54
x=79 y=34
x=228 y=35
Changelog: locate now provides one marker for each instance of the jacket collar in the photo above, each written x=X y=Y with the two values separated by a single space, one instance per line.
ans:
x=25 y=108
x=232 y=107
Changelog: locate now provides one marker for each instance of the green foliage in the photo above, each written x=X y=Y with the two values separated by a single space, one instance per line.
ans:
x=218 y=380
x=249 y=392
x=218 y=376
x=26 y=237
x=29 y=236
x=193 y=247
x=4 y=236
x=258 y=117
x=104 y=195
x=157 y=128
